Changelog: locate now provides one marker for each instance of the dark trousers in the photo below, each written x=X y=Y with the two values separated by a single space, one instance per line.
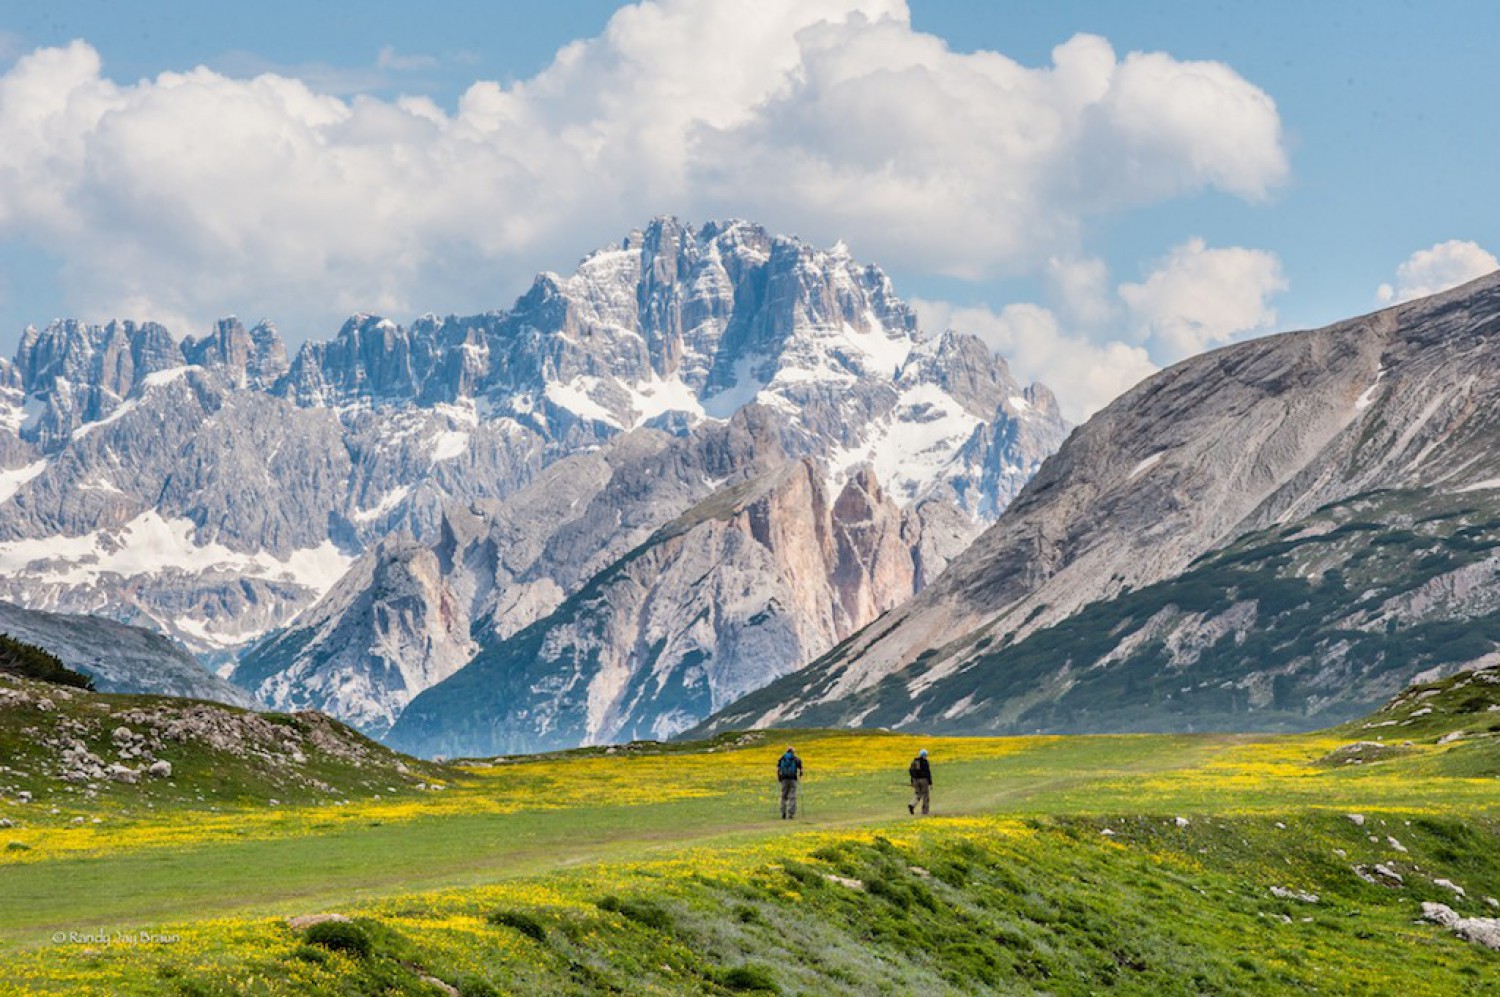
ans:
x=789 y=797
x=921 y=790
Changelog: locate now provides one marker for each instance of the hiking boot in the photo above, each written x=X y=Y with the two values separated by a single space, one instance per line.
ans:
x=911 y=808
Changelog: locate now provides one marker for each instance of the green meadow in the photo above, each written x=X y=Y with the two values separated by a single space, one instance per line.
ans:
x=1134 y=864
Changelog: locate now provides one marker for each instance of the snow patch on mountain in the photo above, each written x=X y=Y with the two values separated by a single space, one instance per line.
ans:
x=654 y=398
x=912 y=446
x=1145 y=465
x=387 y=503
x=150 y=544
x=577 y=397
x=744 y=389
x=12 y=480
x=448 y=445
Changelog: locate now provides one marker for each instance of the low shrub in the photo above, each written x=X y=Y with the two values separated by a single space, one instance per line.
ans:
x=521 y=921
x=340 y=936
x=749 y=977
x=645 y=912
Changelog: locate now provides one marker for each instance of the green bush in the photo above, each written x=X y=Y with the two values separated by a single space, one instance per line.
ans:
x=520 y=921
x=746 y=914
x=473 y=986
x=645 y=912
x=749 y=977
x=340 y=936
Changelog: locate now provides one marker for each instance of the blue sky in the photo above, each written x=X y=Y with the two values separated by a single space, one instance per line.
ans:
x=1382 y=145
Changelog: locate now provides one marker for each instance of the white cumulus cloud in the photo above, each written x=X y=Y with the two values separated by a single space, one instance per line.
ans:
x=1198 y=298
x=1428 y=271
x=195 y=193
x=1083 y=373
x=1091 y=343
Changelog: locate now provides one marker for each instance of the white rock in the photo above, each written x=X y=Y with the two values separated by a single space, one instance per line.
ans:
x=1457 y=735
x=1395 y=844
x=161 y=769
x=447 y=988
x=1479 y=930
x=853 y=884
x=304 y=921
x=1449 y=884
x=122 y=773
x=1181 y=821
x=1358 y=820
x=1300 y=895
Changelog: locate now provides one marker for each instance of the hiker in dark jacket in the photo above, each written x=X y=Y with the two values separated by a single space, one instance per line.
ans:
x=921 y=782
x=788 y=771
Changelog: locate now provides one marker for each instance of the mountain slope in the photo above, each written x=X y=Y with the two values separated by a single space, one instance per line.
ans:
x=1307 y=474
x=119 y=658
x=739 y=589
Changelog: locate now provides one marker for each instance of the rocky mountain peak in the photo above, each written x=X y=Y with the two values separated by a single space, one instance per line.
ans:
x=254 y=358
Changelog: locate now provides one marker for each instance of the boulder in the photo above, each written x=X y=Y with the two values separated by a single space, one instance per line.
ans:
x=1479 y=930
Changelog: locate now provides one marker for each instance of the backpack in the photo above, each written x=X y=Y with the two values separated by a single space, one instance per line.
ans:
x=915 y=769
x=786 y=768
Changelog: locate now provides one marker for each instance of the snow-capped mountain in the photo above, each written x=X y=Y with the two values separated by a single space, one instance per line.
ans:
x=216 y=488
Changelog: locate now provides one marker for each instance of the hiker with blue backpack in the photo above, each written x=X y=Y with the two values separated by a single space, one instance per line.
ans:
x=788 y=772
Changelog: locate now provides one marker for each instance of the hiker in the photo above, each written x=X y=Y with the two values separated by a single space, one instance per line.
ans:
x=921 y=782
x=788 y=771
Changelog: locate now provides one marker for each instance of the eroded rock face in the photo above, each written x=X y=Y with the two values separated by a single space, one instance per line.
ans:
x=742 y=587
x=1346 y=474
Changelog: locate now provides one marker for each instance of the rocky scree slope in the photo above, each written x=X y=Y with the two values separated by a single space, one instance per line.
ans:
x=215 y=489
x=1277 y=534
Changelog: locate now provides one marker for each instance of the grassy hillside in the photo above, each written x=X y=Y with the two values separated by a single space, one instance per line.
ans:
x=105 y=755
x=1133 y=864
